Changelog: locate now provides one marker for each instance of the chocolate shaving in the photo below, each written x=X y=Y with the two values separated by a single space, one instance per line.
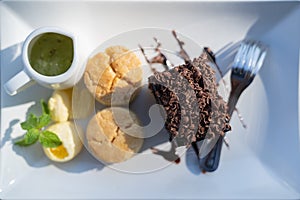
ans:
x=182 y=52
x=147 y=60
x=160 y=58
x=189 y=96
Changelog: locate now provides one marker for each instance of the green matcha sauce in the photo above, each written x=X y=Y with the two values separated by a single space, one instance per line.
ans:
x=51 y=54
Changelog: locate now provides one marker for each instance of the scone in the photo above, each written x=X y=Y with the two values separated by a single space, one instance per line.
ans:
x=113 y=76
x=112 y=142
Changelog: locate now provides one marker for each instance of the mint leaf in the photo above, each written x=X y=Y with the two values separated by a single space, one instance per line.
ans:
x=29 y=138
x=45 y=107
x=49 y=139
x=37 y=122
x=43 y=120
x=34 y=126
x=30 y=123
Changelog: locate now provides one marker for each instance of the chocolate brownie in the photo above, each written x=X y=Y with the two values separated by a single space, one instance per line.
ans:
x=189 y=95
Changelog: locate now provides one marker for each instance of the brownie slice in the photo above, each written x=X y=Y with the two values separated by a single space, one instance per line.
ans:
x=188 y=93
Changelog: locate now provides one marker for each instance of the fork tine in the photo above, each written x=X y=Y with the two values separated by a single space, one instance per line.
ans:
x=250 y=56
x=238 y=57
x=260 y=61
x=258 y=58
x=245 y=56
x=253 y=57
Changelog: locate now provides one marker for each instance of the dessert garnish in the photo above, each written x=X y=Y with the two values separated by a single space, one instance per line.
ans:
x=35 y=125
x=71 y=143
x=60 y=140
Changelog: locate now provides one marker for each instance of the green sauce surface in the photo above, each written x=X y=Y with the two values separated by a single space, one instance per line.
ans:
x=51 y=54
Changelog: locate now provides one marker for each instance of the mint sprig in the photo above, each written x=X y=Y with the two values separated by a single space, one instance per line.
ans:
x=29 y=138
x=49 y=139
x=35 y=130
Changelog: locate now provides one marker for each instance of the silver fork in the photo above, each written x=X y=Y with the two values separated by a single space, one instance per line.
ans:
x=248 y=61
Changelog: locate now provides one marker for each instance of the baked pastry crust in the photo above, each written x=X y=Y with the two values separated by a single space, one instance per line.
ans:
x=114 y=76
x=108 y=141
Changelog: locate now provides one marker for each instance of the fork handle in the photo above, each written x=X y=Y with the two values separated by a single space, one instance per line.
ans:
x=237 y=89
x=211 y=161
x=233 y=99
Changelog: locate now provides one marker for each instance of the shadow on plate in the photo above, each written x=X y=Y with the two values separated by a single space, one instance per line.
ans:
x=11 y=64
x=6 y=138
x=84 y=161
x=35 y=157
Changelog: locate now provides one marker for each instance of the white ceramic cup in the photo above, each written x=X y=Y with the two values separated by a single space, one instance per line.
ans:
x=28 y=75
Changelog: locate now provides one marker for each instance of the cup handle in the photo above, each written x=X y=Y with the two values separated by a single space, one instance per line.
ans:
x=17 y=83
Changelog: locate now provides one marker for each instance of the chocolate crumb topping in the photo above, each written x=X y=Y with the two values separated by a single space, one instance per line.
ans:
x=194 y=108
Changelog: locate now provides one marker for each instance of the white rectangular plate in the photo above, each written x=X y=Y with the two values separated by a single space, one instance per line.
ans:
x=264 y=159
